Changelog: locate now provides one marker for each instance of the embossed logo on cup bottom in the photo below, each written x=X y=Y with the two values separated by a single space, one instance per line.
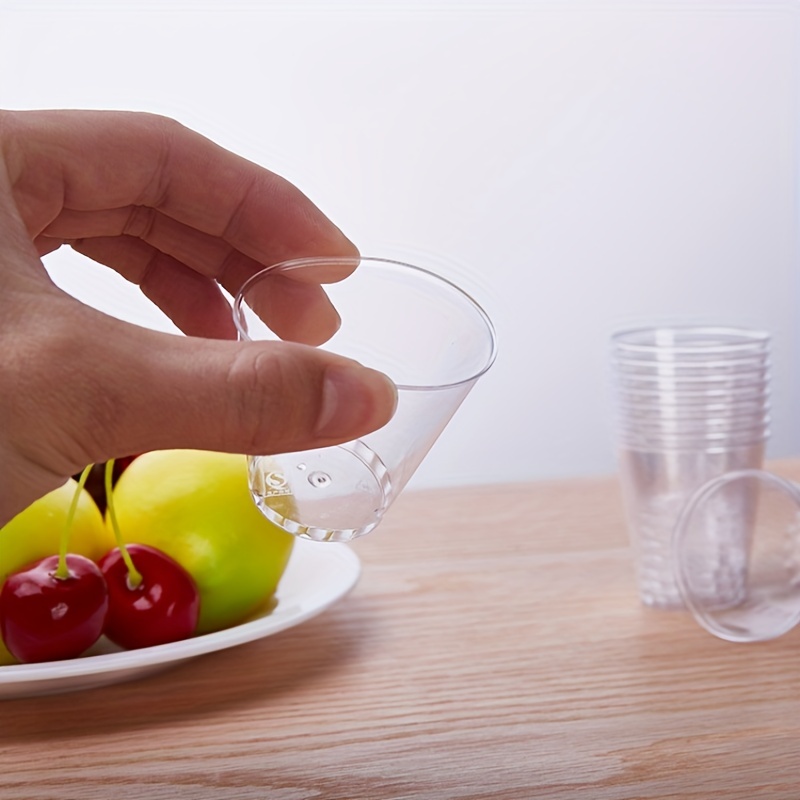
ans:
x=275 y=484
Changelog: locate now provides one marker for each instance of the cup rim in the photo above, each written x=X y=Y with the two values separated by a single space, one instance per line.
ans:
x=688 y=398
x=744 y=341
x=757 y=433
x=680 y=432
x=710 y=419
x=299 y=263
x=750 y=363
x=662 y=392
x=703 y=615
x=700 y=402
x=760 y=375
x=639 y=446
x=710 y=424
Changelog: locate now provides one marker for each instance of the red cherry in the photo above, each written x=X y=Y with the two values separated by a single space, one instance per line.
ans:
x=45 y=618
x=163 y=608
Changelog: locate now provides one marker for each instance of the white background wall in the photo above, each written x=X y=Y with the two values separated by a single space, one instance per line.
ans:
x=577 y=166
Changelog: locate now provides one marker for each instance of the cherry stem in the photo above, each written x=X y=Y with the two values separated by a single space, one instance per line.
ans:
x=62 y=570
x=134 y=576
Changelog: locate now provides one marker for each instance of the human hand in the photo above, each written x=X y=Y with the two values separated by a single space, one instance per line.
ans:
x=180 y=216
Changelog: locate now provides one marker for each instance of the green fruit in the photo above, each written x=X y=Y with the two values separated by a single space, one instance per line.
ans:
x=196 y=507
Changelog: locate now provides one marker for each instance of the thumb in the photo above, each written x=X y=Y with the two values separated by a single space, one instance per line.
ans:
x=245 y=397
x=87 y=388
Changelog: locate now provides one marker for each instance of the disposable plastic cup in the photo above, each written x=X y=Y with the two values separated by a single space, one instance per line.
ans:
x=714 y=365
x=689 y=426
x=634 y=411
x=656 y=485
x=683 y=362
x=751 y=409
x=692 y=404
x=672 y=400
x=654 y=395
x=686 y=425
x=430 y=337
x=690 y=344
x=697 y=432
x=693 y=385
x=698 y=368
x=703 y=442
x=697 y=443
x=741 y=531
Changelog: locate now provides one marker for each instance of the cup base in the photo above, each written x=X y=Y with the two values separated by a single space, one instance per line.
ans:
x=332 y=494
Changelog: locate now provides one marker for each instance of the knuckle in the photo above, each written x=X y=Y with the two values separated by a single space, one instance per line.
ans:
x=139 y=222
x=271 y=396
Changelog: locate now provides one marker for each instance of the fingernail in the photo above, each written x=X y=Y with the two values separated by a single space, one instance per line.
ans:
x=355 y=401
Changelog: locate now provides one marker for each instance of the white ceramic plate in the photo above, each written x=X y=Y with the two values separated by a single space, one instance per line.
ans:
x=318 y=574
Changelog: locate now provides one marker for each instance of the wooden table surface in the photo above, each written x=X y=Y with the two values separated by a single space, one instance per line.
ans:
x=493 y=648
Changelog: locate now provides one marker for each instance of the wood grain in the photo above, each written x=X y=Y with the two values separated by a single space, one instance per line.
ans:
x=494 y=648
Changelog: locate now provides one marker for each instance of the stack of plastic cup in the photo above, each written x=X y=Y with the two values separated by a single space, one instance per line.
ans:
x=693 y=404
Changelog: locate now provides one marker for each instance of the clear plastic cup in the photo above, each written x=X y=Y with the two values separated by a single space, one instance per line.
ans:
x=700 y=368
x=696 y=425
x=742 y=527
x=713 y=368
x=707 y=443
x=751 y=409
x=696 y=435
x=691 y=344
x=701 y=417
x=692 y=404
x=656 y=485
x=750 y=387
x=425 y=333
x=656 y=396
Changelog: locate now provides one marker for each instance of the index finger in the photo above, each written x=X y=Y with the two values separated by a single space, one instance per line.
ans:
x=99 y=160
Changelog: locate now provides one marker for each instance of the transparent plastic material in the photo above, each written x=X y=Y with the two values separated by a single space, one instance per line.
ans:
x=656 y=485
x=701 y=346
x=692 y=404
x=736 y=555
x=426 y=334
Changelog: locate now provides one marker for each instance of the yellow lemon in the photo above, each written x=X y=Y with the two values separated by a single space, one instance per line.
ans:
x=196 y=507
x=35 y=533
